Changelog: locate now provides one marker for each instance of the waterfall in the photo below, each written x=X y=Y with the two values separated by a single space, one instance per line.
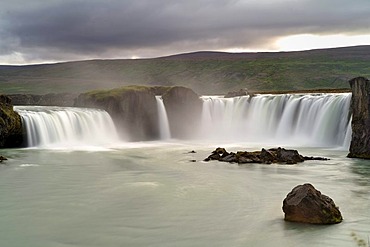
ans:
x=66 y=126
x=164 y=128
x=310 y=119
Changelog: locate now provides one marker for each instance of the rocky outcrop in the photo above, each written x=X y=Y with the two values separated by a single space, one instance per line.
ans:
x=241 y=92
x=360 y=109
x=184 y=109
x=305 y=204
x=132 y=108
x=51 y=99
x=269 y=156
x=11 y=133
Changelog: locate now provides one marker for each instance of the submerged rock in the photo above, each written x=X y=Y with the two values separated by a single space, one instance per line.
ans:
x=272 y=155
x=2 y=158
x=305 y=204
x=360 y=102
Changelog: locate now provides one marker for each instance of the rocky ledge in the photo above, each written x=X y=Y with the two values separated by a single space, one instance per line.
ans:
x=273 y=155
x=305 y=204
x=11 y=131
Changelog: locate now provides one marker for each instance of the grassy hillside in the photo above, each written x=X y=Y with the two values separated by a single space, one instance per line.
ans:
x=205 y=72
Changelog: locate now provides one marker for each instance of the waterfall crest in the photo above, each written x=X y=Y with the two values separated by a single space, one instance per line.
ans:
x=49 y=126
x=312 y=120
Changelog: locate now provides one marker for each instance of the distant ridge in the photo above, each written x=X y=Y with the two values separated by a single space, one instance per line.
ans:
x=207 y=72
x=357 y=51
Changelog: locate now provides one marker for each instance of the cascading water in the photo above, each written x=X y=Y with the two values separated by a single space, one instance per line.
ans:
x=67 y=126
x=164 y=128
x=312 y=120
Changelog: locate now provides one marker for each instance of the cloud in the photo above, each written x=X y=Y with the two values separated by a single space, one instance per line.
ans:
x=77 y=29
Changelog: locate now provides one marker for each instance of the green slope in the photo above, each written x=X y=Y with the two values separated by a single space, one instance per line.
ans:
x=205 y=72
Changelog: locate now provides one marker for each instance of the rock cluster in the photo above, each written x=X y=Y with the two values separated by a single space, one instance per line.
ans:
x=305 y=204
x=265 y=156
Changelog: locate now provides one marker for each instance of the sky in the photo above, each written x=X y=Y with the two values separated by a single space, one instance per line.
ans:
x=43 y=31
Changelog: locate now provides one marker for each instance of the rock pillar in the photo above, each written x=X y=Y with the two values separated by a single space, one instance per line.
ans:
x=360 y=109
x=184 y=111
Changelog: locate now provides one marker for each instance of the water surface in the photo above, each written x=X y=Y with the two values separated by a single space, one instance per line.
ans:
x=153 y=194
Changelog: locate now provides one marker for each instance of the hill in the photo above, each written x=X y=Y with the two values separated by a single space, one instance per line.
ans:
x=205 y=72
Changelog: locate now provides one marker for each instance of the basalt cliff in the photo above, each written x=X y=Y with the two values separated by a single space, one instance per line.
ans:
x=135 y=113
x=360 y=109
x=11 y=134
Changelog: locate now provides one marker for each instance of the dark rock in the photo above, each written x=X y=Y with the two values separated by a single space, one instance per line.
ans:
x=231 y=158
x=288 y=156
x=217 y=154
x=360 y=101
x=132 y=108
x=184 y=109
x=248 y=157
x=2 y=158
x=273 y=155
x=267 y=156
x=305 y=204
x=192 y=152
x=221 y=151
x=11 y=131
x=314 y=158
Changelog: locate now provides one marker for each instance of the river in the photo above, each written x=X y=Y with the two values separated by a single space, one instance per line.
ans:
x=158 y=194
x=78 y=185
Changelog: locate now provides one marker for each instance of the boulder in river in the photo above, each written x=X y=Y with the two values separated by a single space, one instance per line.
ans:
x=305 y=204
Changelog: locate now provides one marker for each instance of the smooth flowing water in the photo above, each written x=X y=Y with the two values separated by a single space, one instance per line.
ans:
x=86 y=189
x=151 y=194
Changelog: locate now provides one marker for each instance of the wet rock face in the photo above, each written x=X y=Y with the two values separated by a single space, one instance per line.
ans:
x=360 y=109
x=133 y=110
x=11 y=132
x=184 y=109
x=305 y=204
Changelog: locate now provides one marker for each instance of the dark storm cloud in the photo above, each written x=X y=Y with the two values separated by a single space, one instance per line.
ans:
x=63 y=29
